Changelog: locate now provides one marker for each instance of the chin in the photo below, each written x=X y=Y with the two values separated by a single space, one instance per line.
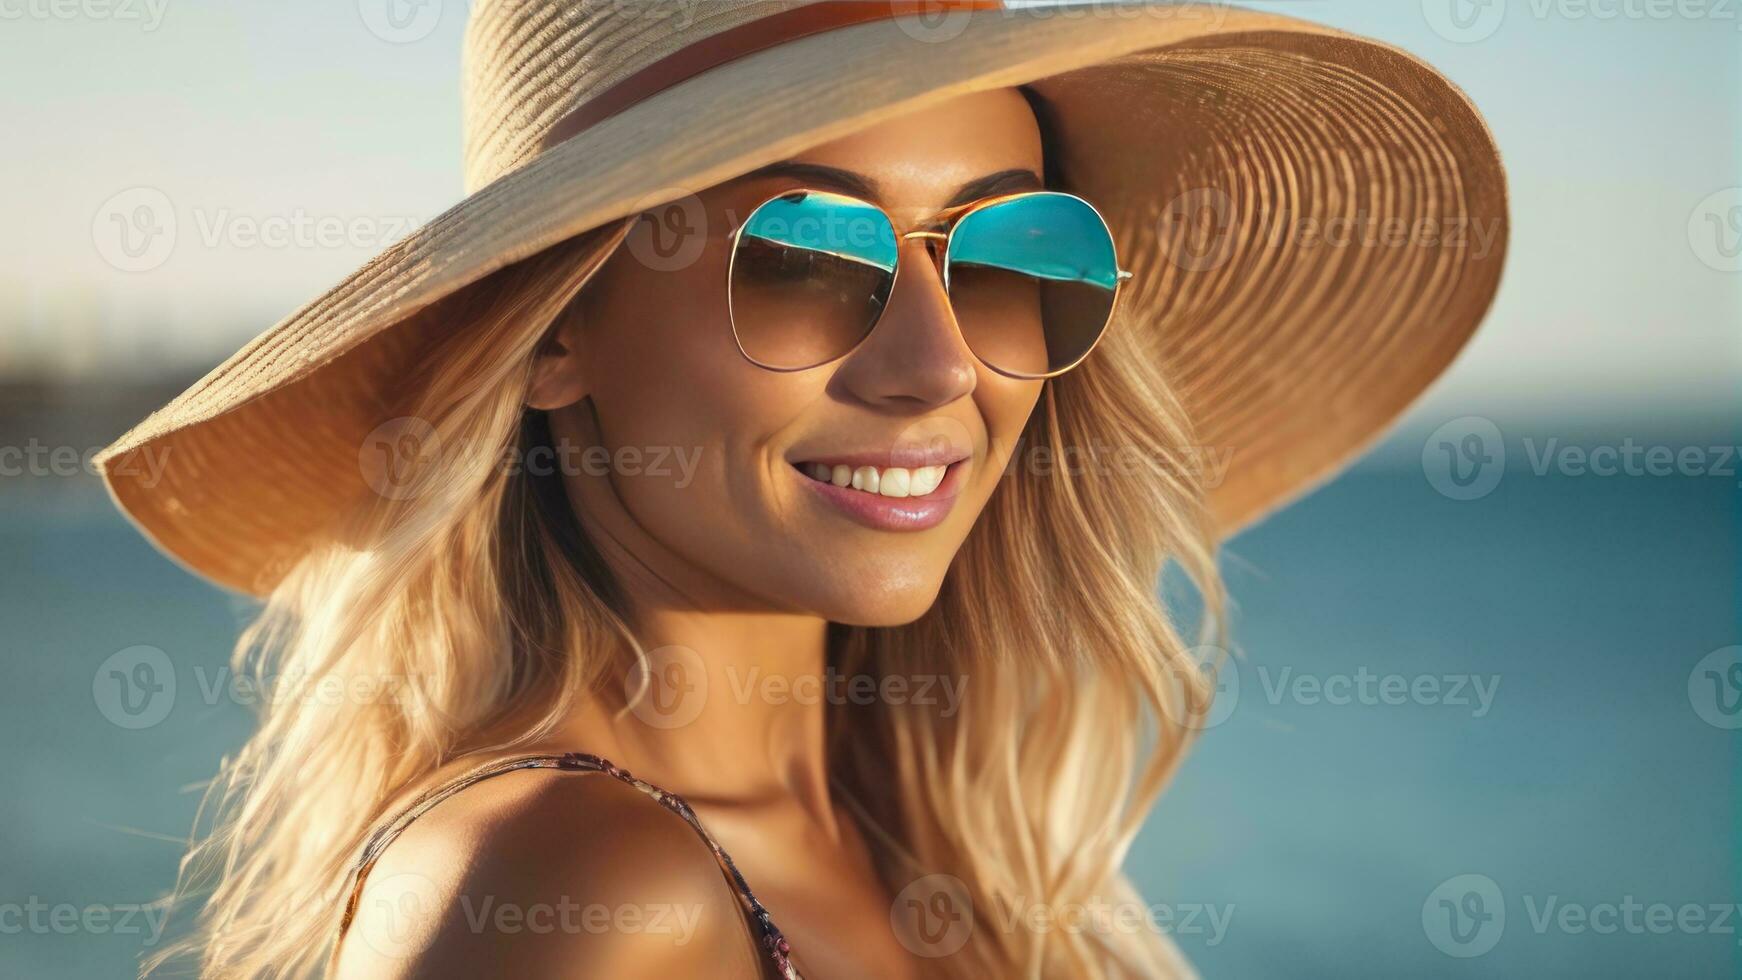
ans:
x=884 y=600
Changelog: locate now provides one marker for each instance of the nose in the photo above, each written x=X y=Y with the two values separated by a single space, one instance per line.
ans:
x=915 y=357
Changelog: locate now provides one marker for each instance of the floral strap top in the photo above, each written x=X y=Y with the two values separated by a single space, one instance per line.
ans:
x=774 y=945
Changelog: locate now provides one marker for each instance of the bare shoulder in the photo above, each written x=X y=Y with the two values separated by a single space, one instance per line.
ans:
x=548 y=874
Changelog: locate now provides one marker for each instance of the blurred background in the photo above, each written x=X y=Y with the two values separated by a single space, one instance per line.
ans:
x=1485 y=715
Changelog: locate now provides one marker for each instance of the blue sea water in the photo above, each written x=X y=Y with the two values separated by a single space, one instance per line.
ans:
x=1546 y=765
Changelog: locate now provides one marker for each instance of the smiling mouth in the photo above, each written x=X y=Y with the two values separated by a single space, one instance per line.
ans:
x=883 y=481
x=887 y=498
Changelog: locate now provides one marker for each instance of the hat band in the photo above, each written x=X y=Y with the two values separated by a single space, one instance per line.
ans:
x=737 y=42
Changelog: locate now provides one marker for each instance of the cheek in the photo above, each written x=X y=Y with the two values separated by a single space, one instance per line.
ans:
x=655 y=350
x=667 y=382
x=1005 y=405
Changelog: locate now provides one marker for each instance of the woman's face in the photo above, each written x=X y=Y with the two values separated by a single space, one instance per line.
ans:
x=707 y=468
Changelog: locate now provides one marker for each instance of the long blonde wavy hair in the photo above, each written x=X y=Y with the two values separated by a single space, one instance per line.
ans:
x=481 y=589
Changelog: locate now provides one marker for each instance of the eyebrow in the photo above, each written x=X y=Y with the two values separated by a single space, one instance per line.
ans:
x=1001 y=182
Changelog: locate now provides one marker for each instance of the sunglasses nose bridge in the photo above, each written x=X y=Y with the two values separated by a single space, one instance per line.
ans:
x=935 y=242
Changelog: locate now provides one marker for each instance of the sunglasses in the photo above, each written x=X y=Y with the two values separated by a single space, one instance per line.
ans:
x=1032 y=278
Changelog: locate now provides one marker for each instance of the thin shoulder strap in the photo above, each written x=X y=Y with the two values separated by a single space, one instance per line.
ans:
x=773 y=943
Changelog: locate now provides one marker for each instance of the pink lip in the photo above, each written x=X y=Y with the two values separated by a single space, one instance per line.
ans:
x=891 y=513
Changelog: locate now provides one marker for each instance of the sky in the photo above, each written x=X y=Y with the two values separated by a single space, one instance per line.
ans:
x=292 y=142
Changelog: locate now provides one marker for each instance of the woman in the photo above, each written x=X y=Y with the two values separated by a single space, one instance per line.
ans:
x=796 y=419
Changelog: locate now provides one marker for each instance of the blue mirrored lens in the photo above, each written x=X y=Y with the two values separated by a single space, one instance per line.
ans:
x=1032 y=280
x=811 y=274
x=832 y=224
x=1044 y=236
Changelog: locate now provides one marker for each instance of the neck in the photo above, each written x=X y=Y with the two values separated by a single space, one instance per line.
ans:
x=728 y=705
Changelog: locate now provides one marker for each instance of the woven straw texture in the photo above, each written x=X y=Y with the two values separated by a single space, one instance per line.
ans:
x=1317 y=223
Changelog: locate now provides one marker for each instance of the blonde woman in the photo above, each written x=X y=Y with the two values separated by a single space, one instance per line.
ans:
x=734 y=529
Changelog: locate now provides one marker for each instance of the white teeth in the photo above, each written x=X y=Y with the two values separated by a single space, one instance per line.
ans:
x=890 y=481
x=925 y=480
x=895 y=482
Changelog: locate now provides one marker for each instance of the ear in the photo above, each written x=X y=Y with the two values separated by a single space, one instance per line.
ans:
x=558 y=380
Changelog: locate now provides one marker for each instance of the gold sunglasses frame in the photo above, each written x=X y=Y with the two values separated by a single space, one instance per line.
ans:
x=937 y=231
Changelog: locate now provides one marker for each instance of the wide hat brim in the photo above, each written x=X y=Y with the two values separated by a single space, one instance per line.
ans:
x=1317 y=223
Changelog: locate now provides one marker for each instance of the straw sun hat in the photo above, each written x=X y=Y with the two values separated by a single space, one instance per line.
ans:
x=1317 y=222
